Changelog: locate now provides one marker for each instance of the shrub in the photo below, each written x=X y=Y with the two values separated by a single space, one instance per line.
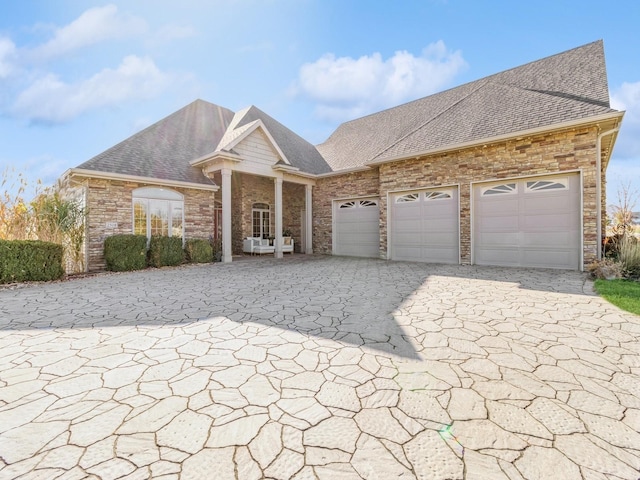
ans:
x=198 y=250
x=165 y=251
x=605 y=269
x=216 y=248
x=29 y=260
x=124 y=253
x=629 y=256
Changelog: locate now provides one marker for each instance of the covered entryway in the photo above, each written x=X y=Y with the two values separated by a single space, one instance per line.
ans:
x=424 y=226
x=529 y=222
x=356 y=227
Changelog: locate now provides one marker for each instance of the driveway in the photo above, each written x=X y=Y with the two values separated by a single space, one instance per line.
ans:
x=318 y=368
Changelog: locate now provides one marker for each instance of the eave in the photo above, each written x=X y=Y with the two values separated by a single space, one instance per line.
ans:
x=79 y=172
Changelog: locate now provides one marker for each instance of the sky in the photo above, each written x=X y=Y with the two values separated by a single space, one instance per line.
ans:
x=79 y=76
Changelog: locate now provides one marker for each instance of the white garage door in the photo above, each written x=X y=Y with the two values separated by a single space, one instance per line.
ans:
x=424 y=226
x=533 y=222
x=357 y=228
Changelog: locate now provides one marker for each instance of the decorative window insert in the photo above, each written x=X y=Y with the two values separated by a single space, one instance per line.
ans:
x=368 y=203
x=261 y=220
x=158 y=211
x=557 y=184
x=436 y=195
x=348 y=204
x=409 y=197
x=505 y=188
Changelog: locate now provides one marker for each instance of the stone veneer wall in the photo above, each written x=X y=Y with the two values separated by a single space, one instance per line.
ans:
x=111 y=201
x=293 y=199
x=550 y=153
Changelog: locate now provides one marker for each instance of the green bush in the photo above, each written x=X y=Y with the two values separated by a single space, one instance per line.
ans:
x=29 y=260
x=124 y=253
x=198 y=250
x=165 y=251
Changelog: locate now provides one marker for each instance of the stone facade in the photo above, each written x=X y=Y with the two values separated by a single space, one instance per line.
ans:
x=571 y=150
x=110 y=213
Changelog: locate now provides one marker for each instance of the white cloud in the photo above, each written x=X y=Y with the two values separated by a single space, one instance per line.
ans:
x=7 y=54
x=51 y=100
x=345 y=87
x=627 y=97
x=93 y=26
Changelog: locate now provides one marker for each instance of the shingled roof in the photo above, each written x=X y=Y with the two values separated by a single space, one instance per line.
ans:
x=164 y=149
x=565 y=87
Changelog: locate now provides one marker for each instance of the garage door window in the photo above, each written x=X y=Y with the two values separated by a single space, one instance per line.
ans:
x=534 y=186
x=409 y=197
x=502 y=189
x=359 y=203
x=436 y=195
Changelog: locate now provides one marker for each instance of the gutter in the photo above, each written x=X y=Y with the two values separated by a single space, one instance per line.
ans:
x=80 y=172
x=599 y=187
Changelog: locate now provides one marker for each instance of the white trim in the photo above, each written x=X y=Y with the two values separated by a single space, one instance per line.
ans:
x=217 y=155
x=134 y=178
x=258 y=124
x=501 y=138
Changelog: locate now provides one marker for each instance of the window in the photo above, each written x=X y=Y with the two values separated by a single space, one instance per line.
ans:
x=535 y=185
x=409 y=197
x=502 y=189
x=436 y=195
x=158 y=211
x=261 y=220
x=368 y=203
x=348 y=205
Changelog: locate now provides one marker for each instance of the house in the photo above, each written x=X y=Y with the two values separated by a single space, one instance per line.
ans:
x=505 y=170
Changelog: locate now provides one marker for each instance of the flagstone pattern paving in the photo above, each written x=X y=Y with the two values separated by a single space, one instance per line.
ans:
x=318 y=368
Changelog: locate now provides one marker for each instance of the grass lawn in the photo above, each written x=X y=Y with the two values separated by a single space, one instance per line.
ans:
x=622 y=293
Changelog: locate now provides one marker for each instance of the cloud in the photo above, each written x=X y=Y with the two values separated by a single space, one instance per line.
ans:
x=7 y=55
x=93 y=26
x=50 y=100
x=345 y=87
x=627 y=97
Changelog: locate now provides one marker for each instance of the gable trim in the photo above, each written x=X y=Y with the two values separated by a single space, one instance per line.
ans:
x=258 y=124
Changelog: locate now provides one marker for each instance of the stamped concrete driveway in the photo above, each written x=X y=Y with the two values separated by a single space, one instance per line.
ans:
x=318 y=368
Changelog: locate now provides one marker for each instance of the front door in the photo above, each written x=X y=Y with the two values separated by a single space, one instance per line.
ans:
x=261 y=220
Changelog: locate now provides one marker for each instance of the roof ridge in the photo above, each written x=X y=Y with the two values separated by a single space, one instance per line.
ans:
x=482 y=83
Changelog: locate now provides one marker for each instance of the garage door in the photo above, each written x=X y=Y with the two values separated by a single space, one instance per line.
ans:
x=424 y=226
x=357 y=228
x=532 y=222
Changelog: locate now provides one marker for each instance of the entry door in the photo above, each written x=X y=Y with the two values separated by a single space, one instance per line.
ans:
x=261 y=221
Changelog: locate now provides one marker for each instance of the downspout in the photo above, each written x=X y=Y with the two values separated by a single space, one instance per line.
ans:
x=599 y=188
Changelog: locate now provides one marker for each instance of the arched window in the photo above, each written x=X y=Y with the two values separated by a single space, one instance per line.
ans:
x=158 y=211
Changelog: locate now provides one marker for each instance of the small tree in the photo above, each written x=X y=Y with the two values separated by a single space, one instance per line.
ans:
x=622 y=211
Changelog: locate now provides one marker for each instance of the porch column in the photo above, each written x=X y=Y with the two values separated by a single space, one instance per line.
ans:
x=278 y=184
x=308 y=219
x=226 y=215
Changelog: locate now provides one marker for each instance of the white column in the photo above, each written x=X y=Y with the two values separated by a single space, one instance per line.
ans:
x=308 y=224
x=226 y=215
x=278 y=184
